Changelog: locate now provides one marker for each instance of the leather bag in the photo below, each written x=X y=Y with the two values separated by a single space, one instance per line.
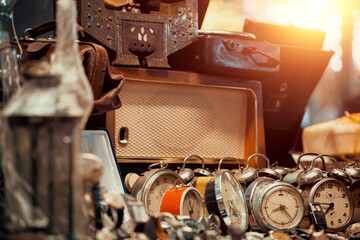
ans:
x=106 y=85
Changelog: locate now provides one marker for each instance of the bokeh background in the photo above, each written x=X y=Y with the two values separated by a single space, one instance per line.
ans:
x=339 y=88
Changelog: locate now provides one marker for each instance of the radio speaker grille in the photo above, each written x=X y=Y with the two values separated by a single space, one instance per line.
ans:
x=167 y=120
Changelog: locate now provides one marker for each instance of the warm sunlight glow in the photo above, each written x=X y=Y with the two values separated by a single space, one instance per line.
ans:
x=314 y=14
x=356 y=39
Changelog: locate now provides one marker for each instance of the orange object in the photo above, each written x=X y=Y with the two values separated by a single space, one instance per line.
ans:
x=183 y=201
x=171 y=201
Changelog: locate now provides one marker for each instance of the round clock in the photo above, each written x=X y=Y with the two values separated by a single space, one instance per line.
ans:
x=184 y=201
x=150 y=188
x=225 y=198
x=278 y=206
x=250 y=196
x=336 y=202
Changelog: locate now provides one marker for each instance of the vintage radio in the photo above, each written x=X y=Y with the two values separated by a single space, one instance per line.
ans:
x=168 y=115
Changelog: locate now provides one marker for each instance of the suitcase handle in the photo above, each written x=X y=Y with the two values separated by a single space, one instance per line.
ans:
x=231 y=45
x=271 y=62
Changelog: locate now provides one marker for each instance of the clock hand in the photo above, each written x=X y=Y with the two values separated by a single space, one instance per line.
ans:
x=234 y=208
x=276 y=209
x=322 y=203
x=284 y=209
x=329 y=208
x=273 y=203
x=231 y=208
x=191 y=208
x=331 y=205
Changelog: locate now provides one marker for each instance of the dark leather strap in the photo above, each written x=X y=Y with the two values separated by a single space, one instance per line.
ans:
x=106 y=86
x=48 y=26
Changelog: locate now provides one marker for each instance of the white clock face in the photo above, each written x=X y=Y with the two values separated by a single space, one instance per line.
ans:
x=192 y=205
x=336 y=202
x=282 y=207
x=234 y=200
x=157 y=190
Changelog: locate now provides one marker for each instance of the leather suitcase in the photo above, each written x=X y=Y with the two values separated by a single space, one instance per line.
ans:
x=168 y=115
x=230 y=54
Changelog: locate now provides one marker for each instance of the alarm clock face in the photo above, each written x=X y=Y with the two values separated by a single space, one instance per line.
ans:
x=278 y=206
x=225 y=198
x=335 y=200
x=156 y=186
x=192 y=204
x=233 y=200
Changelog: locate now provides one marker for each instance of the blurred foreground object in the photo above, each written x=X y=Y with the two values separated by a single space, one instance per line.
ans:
x=9 y=50
x=42 y=123
x=9 y=74
x=340 y=137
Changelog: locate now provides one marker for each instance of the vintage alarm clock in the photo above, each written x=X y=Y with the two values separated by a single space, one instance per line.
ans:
x=327 y=197
x=278 y=206
x=183 y=201
x=150 y=187
x=225 y=198
x=250 y=196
